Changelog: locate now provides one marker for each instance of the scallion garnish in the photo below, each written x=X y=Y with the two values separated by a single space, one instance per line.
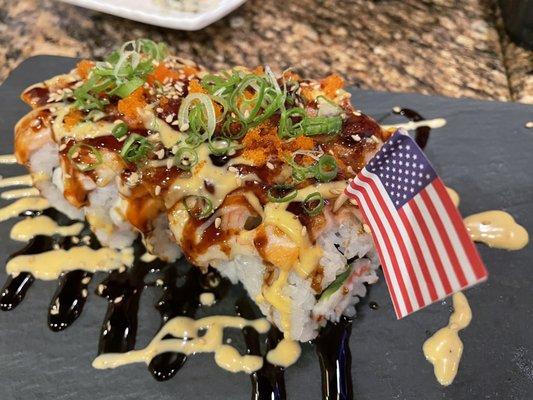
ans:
x=326 y=168
x=198 y=206
x=85 y=152
x=120 y=74
x=313 y=204
x=312 y=126
x=287 y=127
x=136 y=148
x=120 y=130
x=197 y=115
x=281 y=193
x=186 y=158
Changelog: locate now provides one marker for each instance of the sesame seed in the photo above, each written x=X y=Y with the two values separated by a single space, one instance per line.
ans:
x=170 y=161
x=396 y=110
x=270 y=165
x=63 y=147
x=117 y=300
x=84 y=292
x=357 y=138
x=160 y=153
x=159 y=110
x=86 y=280
x=75 y=239
x=157 y=190
x=233 y=169
x=218 y=221
x=529 y=125
x=184 y=127
x=366 y=228
x=169 y=118
x=35 y=123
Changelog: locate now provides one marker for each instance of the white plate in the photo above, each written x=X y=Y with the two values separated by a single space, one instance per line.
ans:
x=153 y=12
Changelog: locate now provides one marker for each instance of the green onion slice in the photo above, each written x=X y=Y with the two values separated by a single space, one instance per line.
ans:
x=281 y=193
x=75 y=152
x=197 y=111
x=326 y=168
x=313 y=204
x=120 y=130
x=287 y=127
x=198 y=206
x=135 y=148
x=128 y=87
x=322 y=125
x=327 y=108
x=186 y=158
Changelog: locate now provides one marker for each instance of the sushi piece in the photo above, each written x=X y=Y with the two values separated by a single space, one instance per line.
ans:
x=241 y=170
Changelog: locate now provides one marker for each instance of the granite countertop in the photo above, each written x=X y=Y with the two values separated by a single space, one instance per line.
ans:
x=426 y=46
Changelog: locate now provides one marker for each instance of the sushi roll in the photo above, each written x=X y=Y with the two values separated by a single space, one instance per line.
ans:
x=242 y=170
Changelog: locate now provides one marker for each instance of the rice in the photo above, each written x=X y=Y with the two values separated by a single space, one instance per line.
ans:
x=341 y=243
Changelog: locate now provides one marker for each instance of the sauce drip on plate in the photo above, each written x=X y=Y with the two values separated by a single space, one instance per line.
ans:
x=444 y=349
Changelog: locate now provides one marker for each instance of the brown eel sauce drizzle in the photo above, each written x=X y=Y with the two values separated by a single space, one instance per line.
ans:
x=422 y=132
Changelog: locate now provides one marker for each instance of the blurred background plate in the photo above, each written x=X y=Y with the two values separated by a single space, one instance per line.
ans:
x=162 y=13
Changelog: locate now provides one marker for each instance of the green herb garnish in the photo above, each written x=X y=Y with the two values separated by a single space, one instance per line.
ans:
x=92 y=153
x=120 y=74
x=313 y=204
x=136 y=148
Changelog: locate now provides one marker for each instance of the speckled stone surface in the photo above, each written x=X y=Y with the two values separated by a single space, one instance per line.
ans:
x=451 y=48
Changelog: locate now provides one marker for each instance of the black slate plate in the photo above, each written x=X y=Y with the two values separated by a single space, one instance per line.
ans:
x=484 y=152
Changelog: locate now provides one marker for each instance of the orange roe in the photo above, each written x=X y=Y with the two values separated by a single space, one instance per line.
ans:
x=130 y=106
x=331 y=84
x=188 y=70
x=160 y=74
x=263 y=142
x=196 y=87
x=84 y=67
x=72 y=119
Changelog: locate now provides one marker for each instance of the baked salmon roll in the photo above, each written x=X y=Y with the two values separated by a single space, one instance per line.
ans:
x=242 y=170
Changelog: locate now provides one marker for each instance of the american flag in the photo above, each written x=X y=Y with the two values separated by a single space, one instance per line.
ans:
x=424 y=248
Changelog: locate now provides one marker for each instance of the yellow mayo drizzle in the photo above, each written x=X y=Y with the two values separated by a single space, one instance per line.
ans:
x=42 y=225
x=187 y=340
x=22 y=180
x=83 y=130
x=207 y=299
x=19 y=193
x=28 y=203
x=444 y=349
x=50 y=264
x=277 y=215
x=411 y=125
x=285 y=354
x=223 y=180
x=168 y=136
x=497 y=229
x=8 y=159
